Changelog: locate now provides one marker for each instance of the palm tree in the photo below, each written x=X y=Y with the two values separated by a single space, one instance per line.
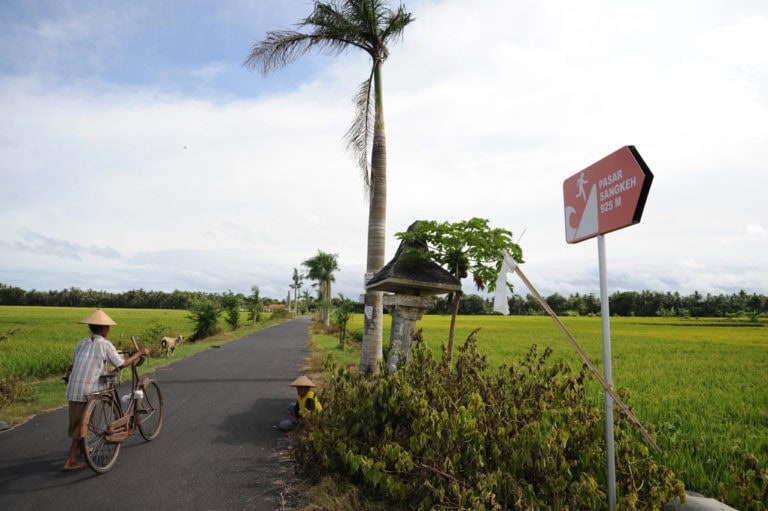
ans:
x=321 y=268
x=296 y=285
x=336 y=26
x=305 y=295
x=254 y=305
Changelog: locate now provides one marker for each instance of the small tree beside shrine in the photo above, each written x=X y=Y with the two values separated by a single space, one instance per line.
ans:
x=463 y=248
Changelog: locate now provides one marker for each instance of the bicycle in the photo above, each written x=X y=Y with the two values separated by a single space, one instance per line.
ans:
x=107 y=420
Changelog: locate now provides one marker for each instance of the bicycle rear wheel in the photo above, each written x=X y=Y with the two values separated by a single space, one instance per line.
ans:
x=149 y=411
x=100 y=454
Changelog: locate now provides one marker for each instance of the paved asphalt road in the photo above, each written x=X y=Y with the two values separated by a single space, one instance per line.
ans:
x=218 y=448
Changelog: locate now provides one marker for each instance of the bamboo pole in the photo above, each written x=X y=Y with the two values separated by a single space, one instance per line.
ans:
x=608 y=388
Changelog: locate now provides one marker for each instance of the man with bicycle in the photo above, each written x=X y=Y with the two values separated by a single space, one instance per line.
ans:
x=90 y=360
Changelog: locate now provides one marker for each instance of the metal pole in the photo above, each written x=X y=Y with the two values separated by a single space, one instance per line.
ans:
x=608 y=373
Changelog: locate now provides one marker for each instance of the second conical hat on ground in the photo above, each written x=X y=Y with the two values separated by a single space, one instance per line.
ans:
x=98 y=317
x=302 y=381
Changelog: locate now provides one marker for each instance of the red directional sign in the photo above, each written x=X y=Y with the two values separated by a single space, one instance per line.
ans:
x=606 y=196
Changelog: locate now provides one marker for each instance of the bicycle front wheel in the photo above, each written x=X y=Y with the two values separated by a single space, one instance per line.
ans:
x=100 y=453
x=149 y=411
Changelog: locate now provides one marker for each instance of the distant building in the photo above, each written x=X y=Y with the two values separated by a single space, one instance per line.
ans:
x=272 y=307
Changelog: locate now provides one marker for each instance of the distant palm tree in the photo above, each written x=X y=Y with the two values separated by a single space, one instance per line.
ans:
x=296 y=285
x=321 y=268
x=307 y=298
x=336 y=26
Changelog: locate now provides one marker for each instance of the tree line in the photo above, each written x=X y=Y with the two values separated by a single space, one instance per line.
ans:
x=133 y=299
x=622 y=303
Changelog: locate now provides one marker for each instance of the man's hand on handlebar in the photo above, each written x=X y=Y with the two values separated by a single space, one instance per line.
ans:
x=130 y=360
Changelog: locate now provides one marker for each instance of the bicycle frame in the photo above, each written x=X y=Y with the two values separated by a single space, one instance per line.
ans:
x=125 y=425
x=107 y=421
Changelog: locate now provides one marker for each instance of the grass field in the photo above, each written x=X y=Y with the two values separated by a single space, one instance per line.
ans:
x=45 y=337
x=700 y=384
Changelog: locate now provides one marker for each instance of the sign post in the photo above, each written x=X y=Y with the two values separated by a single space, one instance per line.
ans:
x=606 y=196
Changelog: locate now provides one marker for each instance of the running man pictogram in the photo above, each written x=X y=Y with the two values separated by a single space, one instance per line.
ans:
x=581 y=182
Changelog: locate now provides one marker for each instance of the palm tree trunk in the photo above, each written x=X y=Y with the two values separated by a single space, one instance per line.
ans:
x=327 y=300
x=322 y=302
x=372 y=352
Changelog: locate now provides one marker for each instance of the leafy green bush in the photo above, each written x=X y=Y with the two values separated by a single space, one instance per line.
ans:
x=205 y=315
x=231 y=304
x=341 y=316
x=281 y=314
x=150 y=337
x=12 y=390
x=355 y=335
x=432 y=437
x=749 y=487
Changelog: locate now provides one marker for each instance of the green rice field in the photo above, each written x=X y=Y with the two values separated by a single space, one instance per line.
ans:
x=700 y=385
x=45 y=337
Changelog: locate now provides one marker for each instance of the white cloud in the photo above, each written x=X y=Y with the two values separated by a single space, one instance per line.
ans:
x=755 y=231
x=155 y=187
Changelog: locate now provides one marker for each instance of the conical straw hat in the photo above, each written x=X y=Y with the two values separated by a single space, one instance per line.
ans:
x=98 y=317
x=302 y=381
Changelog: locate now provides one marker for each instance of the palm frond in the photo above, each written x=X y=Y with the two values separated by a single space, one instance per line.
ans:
x=395 y=24
x=360 y=134
x=336 y=29
x=334 y=26
x=279 y=48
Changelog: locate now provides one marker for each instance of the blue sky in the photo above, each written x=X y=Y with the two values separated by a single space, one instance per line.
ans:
x=137 y=152
x=186 y=48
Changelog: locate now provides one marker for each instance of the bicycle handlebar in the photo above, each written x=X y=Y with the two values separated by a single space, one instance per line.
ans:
x=140 y=360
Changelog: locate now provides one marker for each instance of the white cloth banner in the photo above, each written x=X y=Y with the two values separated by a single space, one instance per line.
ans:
x=508 y=265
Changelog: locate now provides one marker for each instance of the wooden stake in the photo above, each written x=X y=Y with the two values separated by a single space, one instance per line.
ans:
x=608 y=388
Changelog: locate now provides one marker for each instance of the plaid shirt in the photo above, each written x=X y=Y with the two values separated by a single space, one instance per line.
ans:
x=88 y=363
